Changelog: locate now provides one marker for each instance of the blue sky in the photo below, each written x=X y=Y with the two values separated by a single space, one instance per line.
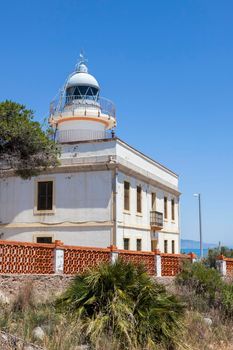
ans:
x=167 y=65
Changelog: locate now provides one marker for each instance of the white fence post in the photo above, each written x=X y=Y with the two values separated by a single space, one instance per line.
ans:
x=193 y=257
x=114 y=254
x=58 y=258
x=221 y=265
x=158 y=263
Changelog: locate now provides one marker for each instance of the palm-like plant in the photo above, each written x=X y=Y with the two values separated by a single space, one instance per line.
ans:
x=121 y=303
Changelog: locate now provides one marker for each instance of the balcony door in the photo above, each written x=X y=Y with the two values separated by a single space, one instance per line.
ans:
x=154 y=244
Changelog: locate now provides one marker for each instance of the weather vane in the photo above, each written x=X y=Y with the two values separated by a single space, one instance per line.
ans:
x=82 y=60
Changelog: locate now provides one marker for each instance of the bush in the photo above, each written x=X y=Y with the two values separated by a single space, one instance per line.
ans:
x=122 y=304
x=213 y=254
x=202 y=280
x=206 y=289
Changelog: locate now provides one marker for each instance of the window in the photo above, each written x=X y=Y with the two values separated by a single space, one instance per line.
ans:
x=173 y=209
x=139 y=244
x=173 y=247
x=45 y=195
x=126 y=195
x=44 y=240
x=126 y=243
x=165 y=207
x=153 y=201
x=165 y=246
x=139 y=199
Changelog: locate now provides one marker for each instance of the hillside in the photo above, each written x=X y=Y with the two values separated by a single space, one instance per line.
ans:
x=191 y=244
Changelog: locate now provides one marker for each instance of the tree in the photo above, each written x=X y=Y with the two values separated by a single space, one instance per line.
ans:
x=24 y=147
x=119 y=303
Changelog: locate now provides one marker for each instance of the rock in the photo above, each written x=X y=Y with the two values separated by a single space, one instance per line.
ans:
x=4 y=337
x=3 y=299
x=28 y=347
x=208 y=321
x=38 y=333
x=82 y=347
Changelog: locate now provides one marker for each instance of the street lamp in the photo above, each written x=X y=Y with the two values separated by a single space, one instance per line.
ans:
x=198 y=195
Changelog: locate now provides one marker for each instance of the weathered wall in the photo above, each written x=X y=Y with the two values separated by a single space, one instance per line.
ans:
x=135 y=225
x=78 y=197
x=45 y=287
x=81 y=236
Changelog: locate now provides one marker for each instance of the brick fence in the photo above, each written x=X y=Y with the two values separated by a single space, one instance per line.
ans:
x=57 y=258
x=225 y=265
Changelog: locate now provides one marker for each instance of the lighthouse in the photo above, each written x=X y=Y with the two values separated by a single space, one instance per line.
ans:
x=103 y=193
x=80 y=113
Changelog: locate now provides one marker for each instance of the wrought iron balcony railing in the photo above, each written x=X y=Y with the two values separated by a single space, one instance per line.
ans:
x=156 y=219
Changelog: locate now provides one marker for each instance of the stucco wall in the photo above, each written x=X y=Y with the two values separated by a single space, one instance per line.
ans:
x=77 y=236
x=132 y=224
x=133 y=156
x=89 y=149
x=169 y=237
x=79 y=197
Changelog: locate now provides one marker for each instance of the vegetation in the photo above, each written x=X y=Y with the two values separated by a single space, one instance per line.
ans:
x=24 y=147
x=207 y=290
x=118 y=306
x=120 y=303
x=213 y=254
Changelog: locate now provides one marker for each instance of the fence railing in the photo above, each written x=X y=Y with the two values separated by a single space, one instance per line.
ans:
x=72 y=102
x=73 y=135
x=57 y=258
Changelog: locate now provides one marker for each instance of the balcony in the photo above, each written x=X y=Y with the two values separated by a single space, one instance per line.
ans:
x=156 y=220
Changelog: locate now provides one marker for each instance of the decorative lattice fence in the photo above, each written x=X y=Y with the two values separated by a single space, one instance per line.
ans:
x=34 y=258
x=78 y=259
x=17 y=257
x=171 y=264
x=146 y=258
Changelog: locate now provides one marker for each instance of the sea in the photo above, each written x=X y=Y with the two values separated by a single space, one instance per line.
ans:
x=195 y=251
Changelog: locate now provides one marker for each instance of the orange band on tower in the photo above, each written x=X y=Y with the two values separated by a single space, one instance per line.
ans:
x=82 y=118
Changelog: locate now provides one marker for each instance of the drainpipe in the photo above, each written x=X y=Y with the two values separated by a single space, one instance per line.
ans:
x=179 y=224
x=114 y=205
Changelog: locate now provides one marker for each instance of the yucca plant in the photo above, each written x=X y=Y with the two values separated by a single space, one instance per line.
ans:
x=121 y=303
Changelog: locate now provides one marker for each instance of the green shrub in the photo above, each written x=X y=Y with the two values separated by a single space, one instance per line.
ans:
x=206 y=289
x=121 y=303
x=227 y=300
x=202 y=280
x=213 y=254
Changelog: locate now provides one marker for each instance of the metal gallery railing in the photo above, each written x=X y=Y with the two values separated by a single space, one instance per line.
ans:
x=86 y=102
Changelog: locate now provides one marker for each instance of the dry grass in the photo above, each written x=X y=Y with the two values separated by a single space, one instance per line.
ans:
x=199 y=335
x=61 y=333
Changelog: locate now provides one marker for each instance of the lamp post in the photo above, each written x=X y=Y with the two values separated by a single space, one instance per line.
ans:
x=198 y=195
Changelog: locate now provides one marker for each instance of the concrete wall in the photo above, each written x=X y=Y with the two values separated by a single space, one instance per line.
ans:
x=89 y=149
x=77 y=236
x=145 y=163
x=79 y=197
x=135 y=225
x=82 y=214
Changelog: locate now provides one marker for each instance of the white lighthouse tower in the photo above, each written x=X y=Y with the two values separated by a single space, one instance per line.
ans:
x=80 y=113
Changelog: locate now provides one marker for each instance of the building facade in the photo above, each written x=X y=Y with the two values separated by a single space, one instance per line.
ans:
x=104 y=191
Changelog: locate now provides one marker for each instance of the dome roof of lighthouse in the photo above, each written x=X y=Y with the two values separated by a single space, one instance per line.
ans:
x=81 y=77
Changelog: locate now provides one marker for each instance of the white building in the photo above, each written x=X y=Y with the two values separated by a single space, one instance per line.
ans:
x=104 y=192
